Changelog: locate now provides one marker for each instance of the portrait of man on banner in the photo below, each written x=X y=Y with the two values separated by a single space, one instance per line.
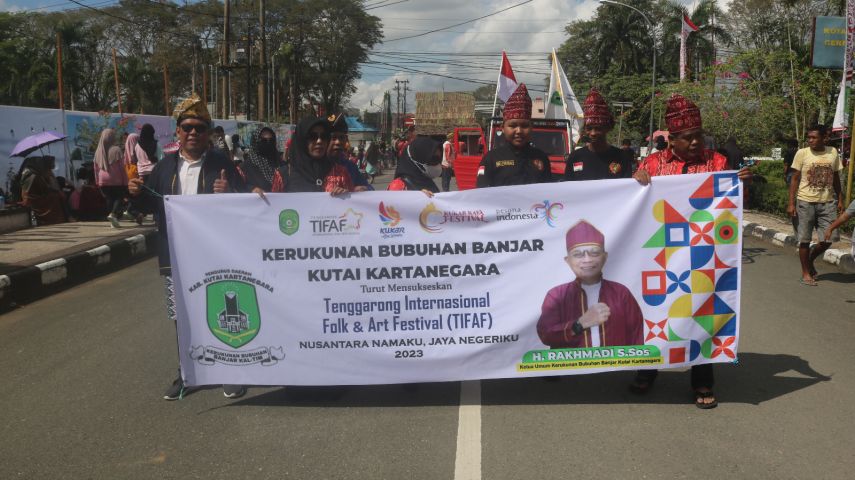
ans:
x=590 y=311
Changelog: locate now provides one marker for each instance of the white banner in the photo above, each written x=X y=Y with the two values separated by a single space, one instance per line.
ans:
x=396 y=287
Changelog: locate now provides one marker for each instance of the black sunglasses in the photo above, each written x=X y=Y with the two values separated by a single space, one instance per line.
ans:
x=200 y=128
x=314 y=136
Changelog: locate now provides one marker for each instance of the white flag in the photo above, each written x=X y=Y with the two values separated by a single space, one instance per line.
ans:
x=561 y=101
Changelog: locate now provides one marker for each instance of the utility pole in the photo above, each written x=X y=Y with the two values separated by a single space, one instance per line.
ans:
x=262 y=64
x=59 y=71
x=166 y=90
x=398 y=102
x=225 y=62
x=247 y=96
x=116 y=78
x=620 y=122
x=405 y=82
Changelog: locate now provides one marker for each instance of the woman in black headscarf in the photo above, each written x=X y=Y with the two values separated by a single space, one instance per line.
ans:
x=418 y=166
x=309 y=169
x=261 y=161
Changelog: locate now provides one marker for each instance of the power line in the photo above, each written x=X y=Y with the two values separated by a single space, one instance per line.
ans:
x=459 y=24
x=117 y=17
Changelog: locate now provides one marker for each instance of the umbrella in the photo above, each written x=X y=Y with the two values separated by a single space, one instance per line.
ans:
x=657 y=133
x=35 y=142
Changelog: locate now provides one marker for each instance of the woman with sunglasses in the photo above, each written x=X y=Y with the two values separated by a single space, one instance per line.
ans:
x=309 y=168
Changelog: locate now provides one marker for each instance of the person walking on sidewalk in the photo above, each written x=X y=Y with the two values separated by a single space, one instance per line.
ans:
x=196 y=168
x=110 y=175
x=815 y=198
x=684 y=154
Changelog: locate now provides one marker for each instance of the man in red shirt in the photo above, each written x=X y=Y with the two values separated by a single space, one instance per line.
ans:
x=685 y=154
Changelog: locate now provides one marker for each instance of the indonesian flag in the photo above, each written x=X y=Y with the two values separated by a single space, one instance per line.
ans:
x=687 y=28
x=507 y=82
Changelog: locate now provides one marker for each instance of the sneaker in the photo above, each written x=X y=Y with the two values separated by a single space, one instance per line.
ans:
x=234 y=391
x=113 y=221
x=175 y=391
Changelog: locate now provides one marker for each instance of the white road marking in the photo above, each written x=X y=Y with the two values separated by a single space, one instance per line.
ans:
x=467 y=463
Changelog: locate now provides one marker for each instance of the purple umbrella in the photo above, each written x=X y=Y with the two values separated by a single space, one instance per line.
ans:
x=35 y=142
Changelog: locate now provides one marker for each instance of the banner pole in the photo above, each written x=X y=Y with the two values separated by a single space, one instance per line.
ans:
x=851 y=158
x=69 y=169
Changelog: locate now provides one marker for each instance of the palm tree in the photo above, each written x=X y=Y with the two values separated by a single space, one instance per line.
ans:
x=622 y=40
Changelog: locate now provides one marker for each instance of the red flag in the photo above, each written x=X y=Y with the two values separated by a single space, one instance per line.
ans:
x=687 y=28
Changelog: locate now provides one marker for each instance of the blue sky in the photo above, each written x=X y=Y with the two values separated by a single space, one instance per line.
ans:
x=523 y=32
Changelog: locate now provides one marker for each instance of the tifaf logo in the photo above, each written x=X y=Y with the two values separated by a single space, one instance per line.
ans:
x=548 y=210
x=391 y=219
x=289 y=221
x=348 y=223
x=389 y=216
x=233 y=315
x=431 y=218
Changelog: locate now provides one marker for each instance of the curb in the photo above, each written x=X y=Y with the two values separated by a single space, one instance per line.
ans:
x=834 y=256
x=38 y=281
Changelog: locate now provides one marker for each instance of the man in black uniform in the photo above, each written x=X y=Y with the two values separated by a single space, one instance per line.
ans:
x=515 y=162
x=598 y=160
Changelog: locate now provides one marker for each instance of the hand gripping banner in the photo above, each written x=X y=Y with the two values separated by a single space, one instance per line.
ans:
x=396 y=287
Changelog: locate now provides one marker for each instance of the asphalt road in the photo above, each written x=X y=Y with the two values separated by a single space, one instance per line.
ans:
x=84 y=371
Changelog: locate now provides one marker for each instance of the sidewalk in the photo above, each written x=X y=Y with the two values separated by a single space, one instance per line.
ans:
x=779 y=232
x=41 y=260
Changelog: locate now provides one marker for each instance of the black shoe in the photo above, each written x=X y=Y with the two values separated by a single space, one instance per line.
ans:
x=234 y=391
x=175 y=391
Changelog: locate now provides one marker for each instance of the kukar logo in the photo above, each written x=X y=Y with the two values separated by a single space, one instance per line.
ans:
x=348 y=223
x=391 y=219
x=289 y=221
x=233 y=315
x=548 y=210
x=432 y=218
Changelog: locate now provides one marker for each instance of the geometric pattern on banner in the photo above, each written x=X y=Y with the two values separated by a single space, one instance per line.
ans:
x=676 y=355
x=702 y=233
x=716 y=346
x=701 y=301
x=725 y=185
x=703 y=196
x=726 y=229
x=653 y=287
x=726 y=281
x=655 y=330
x=678 y=282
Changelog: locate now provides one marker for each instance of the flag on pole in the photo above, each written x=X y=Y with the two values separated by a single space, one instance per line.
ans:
x=841 y=113
x=687 y=28
x=507 y=81
x=562 y=102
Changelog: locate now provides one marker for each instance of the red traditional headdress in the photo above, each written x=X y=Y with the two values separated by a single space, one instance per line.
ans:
x=596 y=110
x=682 y=115
x=518 y=106
x=583 y=233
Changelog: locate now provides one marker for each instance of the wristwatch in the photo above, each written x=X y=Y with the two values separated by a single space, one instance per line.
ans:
x=577 y=328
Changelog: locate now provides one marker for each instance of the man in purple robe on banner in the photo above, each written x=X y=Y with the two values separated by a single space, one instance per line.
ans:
x=590 y=311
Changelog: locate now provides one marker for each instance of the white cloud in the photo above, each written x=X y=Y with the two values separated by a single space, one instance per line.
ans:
x=543 y=20
x=8 y=7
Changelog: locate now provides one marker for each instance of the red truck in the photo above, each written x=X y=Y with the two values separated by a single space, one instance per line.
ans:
x=548 y=135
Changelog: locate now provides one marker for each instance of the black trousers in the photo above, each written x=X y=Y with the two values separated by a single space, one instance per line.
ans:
x=446 y=178
x=115 y=199
x=702 y=376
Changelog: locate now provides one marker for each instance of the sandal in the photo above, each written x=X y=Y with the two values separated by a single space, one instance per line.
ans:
x=809 y=283
x=701 y=396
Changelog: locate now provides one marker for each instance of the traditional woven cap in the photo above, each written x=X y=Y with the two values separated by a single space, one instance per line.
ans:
x=339 y=123
x=518 y=106
x=583 y=233
x=682 y=115
x=192 y=107
x=596 y=110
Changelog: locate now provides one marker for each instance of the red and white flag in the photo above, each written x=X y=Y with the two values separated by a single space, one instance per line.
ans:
x=687 y=28
x=507 y=81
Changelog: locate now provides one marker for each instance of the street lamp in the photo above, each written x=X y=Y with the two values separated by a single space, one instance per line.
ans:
x=653 y=87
